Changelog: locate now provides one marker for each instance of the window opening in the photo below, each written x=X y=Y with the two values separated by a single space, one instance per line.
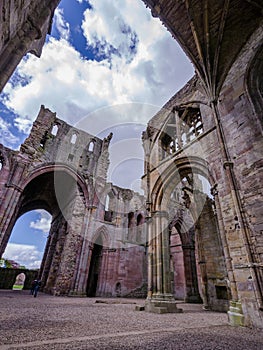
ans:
x=139 y=219
x=54 y=130
x=44 y=139
x=91 y=146
x=130 y=219
x=108 y=214
x=183 y=126
x=107 y=203
x=73 y=139
x=70 y=157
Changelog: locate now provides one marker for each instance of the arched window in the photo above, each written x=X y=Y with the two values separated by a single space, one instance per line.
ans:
x=91 y=146
x=44 y=139
x=73 y=139
x=108 y=212
x=54 y=130
x=139 y=220
x=130 y=219
x=107 y=202
x=182 y=126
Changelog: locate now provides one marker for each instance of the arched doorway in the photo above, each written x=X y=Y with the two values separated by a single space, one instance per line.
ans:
x=95 y=267
x=183 y=239
x=195 y=222
x=183 y=206
x=184 y=260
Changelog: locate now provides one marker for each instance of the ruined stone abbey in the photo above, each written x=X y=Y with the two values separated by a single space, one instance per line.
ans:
x=197 y=233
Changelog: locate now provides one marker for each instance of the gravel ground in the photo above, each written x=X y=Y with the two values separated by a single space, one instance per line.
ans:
x=48 y=322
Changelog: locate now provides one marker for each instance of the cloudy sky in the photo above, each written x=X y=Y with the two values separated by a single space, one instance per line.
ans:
x=107 y=66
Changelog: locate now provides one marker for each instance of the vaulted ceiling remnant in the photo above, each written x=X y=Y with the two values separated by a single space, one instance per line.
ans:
x=211 y=32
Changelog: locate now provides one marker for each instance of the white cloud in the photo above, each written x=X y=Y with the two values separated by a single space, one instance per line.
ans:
x=107 y=31
x=43 y=223
x=6 y=136
x=26 y=255
x=61 y=25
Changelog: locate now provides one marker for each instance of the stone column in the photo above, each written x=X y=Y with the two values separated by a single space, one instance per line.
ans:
x=228 y=259
x=154 y=259
x=159 y=257
x=150 y=257
x=10 y=201
x=160 y=298
x=104 y=274
x=165 y=255
x=82 y=273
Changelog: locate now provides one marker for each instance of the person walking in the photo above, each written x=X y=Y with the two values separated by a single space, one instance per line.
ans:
x=33 y=285
x=37 y=284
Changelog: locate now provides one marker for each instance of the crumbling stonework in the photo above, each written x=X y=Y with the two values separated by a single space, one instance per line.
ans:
x=210 y=131
x=24 y=25
x=90 y=249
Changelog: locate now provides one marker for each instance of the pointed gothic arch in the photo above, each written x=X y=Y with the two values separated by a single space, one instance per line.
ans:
x=196 y=230
x=254 y=83
x=100 y=241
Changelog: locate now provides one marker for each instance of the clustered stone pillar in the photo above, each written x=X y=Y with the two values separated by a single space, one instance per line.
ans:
x=160 y=298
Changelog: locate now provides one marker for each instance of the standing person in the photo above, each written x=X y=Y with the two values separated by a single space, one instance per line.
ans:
x=33 y=285
x=37 y=286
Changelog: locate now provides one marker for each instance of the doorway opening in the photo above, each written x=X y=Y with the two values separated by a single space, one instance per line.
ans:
x=196 y=253
x=95 y=267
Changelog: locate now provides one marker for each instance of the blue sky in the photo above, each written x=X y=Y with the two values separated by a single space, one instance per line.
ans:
x=108 y=65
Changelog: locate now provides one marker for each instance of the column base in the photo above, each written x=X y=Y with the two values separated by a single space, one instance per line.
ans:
x=235 y=314
x=162 y=305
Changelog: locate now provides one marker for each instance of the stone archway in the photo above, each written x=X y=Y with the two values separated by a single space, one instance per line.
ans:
x=188 y=259
x=179 y=201
x=58 y=192
x=97 y=262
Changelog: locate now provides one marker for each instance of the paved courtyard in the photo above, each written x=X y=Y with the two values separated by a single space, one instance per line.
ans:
x=48 y=322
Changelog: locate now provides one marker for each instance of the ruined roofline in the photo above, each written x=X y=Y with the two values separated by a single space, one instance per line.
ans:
x=60 y=121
